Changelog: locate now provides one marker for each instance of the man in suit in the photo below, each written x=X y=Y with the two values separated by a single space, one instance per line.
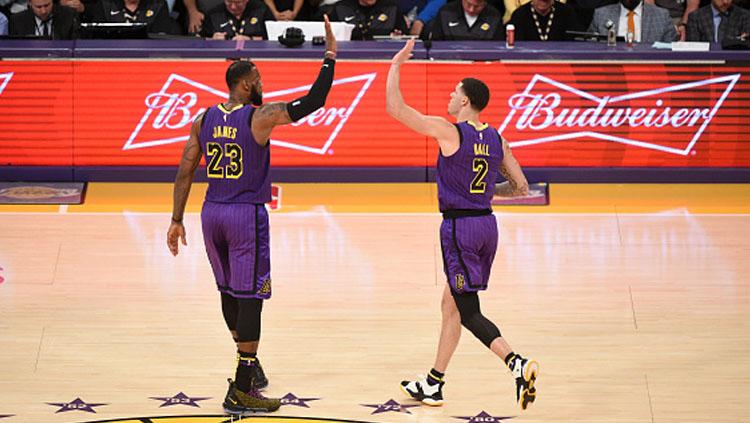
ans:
x=718 y=21
x=647 y=22
x=44 y=19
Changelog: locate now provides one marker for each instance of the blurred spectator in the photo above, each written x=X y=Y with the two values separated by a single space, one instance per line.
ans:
x=44 y=19
x=647 y=22
x=85 y=8
x=320 y=7
x=197 y=10
x=11 y=7
x=584 y=9
x=370 y=17
x=718 y=21
x=237 y=20
x=544 y=20
x=678 y=11
x=76 y=5
x=3 y=24
x=510 y=7
x=285 y=10
x=154 y=13
x=420 y=13
x=468 y=20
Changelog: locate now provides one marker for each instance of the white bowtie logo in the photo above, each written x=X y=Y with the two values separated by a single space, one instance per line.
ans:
x=548 y=111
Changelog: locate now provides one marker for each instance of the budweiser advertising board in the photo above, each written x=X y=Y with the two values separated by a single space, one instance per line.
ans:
x=91 y=113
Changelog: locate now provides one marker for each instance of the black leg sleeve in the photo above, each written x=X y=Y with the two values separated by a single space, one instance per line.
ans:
x=248 y=319
x=473 y=320
x=229 y=308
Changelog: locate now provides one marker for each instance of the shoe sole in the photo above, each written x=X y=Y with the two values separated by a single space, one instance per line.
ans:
x=432 y=403
x=246 y=411
x=530 y=374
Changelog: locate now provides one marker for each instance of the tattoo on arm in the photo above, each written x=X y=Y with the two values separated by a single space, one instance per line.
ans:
x=512 y=183
x=191 y=157
x=273 y=114
x=511 y=188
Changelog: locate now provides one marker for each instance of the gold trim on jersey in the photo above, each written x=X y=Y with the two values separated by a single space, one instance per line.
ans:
x=477 y=126
x=224 y=109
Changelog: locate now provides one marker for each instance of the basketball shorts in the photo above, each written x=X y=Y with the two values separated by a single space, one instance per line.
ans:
x=468 y=245
x=237 y=244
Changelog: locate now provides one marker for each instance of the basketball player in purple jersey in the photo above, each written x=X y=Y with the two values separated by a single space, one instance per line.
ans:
x=234 y=137
x=471 y=155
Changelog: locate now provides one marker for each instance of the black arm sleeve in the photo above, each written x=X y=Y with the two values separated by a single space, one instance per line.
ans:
x=316 y=98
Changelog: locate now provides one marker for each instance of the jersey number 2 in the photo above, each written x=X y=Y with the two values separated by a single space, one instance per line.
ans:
x=215 y=153
x=480 y=167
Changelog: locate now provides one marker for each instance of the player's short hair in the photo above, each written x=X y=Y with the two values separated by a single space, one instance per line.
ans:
x=238 y=70
x=477 y=91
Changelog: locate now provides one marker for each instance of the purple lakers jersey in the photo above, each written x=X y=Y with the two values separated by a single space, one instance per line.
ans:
x=236 y=166
x=466 y=179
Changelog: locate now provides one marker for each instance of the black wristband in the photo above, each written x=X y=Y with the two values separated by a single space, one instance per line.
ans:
x=176 y=221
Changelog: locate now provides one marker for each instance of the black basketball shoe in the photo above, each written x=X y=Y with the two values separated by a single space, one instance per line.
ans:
x=238 y=403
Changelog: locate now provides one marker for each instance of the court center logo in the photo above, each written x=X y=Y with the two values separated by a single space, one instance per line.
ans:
x=171 y=110
x=548 y=111
x=4 y=80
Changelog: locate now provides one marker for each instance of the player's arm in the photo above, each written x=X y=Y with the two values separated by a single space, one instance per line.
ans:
x=271 y=115
x=515 y=184
x=191 y=157
x=433 y=126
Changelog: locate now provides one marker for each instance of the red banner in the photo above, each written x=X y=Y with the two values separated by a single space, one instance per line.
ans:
x=101 y=113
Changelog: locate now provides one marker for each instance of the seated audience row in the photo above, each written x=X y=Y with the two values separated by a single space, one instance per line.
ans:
x=534 y=20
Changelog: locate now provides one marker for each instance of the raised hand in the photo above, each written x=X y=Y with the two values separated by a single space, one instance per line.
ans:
x=330 y=39
x=405 y=53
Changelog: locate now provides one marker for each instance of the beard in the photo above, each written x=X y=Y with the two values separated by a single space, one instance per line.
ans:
x=631 y=4
x=256 y=98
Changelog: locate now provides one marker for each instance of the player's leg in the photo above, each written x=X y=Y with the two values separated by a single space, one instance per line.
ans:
x=450 y=331
x=249 y=258
x=248 y=335
x=428 y=389
x=524 y=371
x=476 y=241
x=230 y=311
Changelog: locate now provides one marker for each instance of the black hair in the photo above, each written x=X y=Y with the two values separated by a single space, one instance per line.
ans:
x=238 y=70
x=477 y=91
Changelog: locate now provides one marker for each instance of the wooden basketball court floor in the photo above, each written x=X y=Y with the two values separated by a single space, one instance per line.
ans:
x=635 y=299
